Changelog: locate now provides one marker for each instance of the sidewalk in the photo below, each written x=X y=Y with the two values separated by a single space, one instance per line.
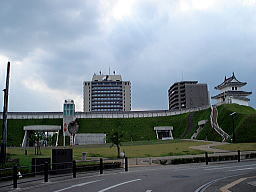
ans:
x=148 y=161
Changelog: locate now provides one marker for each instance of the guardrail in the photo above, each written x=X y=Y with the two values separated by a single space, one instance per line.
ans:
x=44 y=172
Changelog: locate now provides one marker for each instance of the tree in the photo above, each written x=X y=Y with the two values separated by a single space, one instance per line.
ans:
x=116 y=139
x=36 y=137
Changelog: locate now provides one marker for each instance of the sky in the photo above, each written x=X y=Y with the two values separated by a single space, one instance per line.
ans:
x=55 y=45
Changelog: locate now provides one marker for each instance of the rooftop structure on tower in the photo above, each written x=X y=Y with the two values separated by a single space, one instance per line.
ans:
x=107 y=93
x=230 y=92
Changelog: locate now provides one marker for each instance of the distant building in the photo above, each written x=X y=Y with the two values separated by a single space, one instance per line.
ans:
x=230 y=92
x=68 y=115
x=107 y=93
x=188 y=94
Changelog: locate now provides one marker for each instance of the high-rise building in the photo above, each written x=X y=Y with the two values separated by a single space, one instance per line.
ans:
x=107 y=93
x=188 y=94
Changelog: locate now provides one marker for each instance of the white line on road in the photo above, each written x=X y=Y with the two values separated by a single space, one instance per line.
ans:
x=113 y=186
x=148 y=190
x=78 y=185
x=209 y=169
x=202 y=188
x=243 y=169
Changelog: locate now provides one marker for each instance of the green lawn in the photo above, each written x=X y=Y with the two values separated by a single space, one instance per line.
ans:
x=238 y=146
x=132 y=149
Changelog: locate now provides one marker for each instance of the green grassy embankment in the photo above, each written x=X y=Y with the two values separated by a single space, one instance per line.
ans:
x=134 y=129
x=244 y=121
x=137 y=129
x=15 y=128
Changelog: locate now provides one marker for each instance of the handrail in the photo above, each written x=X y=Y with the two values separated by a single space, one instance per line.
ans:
x=216 y=126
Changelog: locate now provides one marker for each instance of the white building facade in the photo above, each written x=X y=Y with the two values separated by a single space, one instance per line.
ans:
x=231 y=92
x=107 y=93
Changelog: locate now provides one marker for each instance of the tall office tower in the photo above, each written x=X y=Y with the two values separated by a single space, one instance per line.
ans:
x=187 y=94
x=107 y=93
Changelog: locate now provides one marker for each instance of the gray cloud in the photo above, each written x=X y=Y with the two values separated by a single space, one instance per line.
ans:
x=63 y=43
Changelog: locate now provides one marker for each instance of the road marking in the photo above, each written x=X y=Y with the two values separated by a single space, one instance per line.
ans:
x=209 y=169
x=206 y=185
x=228 y=186
x=243 y=169
x=113 y=186
x=78 y=185
x=148 y=190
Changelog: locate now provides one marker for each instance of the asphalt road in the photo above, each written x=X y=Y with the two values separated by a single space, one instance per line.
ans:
x=190 y=177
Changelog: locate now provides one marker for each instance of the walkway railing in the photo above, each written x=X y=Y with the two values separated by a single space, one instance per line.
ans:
x=215 y=125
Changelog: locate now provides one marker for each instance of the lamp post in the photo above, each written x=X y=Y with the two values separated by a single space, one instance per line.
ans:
x=5 y=111
x=234 y=138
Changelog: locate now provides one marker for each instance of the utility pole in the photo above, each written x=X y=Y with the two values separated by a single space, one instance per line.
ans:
x=5 y=110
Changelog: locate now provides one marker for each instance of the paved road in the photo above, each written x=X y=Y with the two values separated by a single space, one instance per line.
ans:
x=190 y=177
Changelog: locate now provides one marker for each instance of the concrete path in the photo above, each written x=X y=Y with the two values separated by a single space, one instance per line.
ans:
x=209 y=148
x=146 y=161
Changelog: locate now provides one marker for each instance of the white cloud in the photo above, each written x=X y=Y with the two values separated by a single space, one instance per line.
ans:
x=57 y=96
x=54 y=46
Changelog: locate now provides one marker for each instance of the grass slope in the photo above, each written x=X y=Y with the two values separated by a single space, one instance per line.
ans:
x=134 y=129
x=244 y=121
x=137 y=129
x=15 y=128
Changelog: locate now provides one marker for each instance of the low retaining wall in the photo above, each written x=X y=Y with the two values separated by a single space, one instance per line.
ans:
x=110 y=114
x=200 y=159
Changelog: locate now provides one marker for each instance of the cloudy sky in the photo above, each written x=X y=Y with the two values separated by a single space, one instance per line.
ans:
x=54 y=45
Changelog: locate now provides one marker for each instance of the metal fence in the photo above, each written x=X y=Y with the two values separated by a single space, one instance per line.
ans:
x=12 y=177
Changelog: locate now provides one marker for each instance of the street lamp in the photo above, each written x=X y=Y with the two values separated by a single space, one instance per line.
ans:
x=234 y=138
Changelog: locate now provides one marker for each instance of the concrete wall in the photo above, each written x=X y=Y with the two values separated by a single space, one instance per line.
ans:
x=89 y=138
x=87 y=88
x=196 y=95
x=127 y=95
x=125 y=114
x=240 y=102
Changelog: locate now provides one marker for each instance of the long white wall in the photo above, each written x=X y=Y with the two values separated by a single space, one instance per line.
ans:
x=85 y=115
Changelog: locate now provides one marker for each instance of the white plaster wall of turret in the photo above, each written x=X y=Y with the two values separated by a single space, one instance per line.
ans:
x=229 y=89
x=240 y=102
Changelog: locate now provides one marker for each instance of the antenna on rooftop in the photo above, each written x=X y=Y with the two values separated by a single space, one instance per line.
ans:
x=109 y=70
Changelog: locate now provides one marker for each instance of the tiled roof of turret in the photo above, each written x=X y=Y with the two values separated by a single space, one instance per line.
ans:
x=236 y=94
x=229 y=82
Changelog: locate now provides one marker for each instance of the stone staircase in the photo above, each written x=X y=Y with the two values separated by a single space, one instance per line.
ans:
x=215 y=125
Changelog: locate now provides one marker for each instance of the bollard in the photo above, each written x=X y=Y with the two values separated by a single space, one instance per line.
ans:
x=46 y=172
x=15 y=176
x=126 y=163
x=238 y=155
x=206 y=158
x=74 y=169
x=101 y=166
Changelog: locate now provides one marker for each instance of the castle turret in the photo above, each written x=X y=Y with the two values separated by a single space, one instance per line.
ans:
x=230 y=92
